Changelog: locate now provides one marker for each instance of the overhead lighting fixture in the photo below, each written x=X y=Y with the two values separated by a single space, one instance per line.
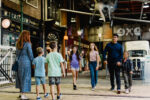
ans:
x=65 y=37
x=80 y=32
x=91 y=9
x=73 y=20
x=145 y=2
x=100 y=19
x=146 y=5
x=144 y=16
x=99 y=35
x=92 y=5
x=57 y=23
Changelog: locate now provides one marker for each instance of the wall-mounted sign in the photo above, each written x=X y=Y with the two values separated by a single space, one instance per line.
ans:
x=17 y=17
x=6 y=23
x=81 y=44
x=129 y=31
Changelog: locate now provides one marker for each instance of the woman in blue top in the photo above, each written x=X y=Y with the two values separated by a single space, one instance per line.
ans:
x=23 y=76
x=75 y=65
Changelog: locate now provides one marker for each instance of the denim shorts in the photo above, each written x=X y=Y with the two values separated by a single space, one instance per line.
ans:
x=54 y=80
x=74 y=68
x=40 y=80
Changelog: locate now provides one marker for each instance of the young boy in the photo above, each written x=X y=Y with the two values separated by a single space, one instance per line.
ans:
x=127 y=72
x=39 y=65
x=55 y=66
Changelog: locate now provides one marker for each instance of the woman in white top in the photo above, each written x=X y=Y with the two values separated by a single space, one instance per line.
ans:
x=93 y=63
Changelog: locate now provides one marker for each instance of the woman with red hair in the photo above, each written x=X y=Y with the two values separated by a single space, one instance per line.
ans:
x=25 y=56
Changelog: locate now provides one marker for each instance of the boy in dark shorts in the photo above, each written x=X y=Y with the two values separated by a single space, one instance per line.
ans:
x=55 y=67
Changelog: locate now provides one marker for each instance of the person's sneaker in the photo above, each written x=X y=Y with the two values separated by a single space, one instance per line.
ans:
x=23 y=97
x=93 y=88
x=59 y=97
x=74 y=87
x=129 y=89
x=46 y=95
x=118 y=91
x=126 y=91
x=112 y=89
x=38 y=98
x=19 y=96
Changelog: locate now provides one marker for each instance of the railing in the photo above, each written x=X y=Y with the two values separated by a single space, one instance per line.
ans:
x=7 y=58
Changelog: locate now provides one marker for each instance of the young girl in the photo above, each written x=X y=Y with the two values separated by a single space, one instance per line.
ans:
x=93 y=62
x=75 y=65
x=127 y=72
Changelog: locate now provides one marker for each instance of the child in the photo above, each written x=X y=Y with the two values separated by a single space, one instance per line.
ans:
x=55 y=66
x=93 y=60
x=75 y=65
x=127 y=72
x=39 y=65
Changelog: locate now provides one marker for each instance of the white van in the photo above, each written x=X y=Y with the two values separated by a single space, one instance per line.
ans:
x=138 y=50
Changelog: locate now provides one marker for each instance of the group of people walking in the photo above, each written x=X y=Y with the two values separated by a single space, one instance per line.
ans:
x=52 y=66
x=116 y=61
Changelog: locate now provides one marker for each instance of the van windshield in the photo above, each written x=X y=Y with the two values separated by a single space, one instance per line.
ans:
x=137 y=53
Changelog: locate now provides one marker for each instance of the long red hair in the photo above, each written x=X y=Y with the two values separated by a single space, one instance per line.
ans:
x=24 y=37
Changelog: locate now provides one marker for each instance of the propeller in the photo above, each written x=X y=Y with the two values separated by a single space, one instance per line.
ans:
x=100 y=6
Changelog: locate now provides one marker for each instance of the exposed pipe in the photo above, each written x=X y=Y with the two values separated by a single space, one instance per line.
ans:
x=130 y=19
x=78 y=12
x=135 y=13
x=141 y=10
x=141 y=0
x=73 y=4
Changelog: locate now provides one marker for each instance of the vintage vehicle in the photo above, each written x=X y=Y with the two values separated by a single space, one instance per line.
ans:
x=137 y=51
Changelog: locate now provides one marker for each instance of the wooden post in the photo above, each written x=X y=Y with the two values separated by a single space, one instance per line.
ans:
x=63 y=21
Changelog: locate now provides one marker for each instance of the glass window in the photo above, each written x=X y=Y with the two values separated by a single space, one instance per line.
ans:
x=137 y=53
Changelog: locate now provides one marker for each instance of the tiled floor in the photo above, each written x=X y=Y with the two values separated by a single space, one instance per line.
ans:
x=140 y=90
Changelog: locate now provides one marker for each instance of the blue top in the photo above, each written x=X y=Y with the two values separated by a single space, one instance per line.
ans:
x=39 y=63
x=115 y=52
x=23 y=76
x=74 y=61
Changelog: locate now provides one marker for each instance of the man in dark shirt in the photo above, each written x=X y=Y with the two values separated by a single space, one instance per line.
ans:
x=115 y=55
